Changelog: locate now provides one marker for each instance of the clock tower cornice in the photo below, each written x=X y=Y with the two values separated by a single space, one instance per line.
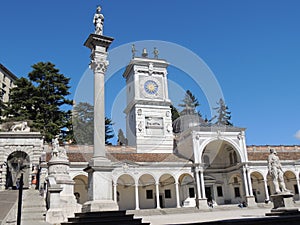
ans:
x=146 y=65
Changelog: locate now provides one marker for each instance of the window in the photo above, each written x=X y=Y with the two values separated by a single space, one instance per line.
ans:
x=235 y=180
x=149 y=194
x=220 y=191
x=167 y=193
x=192 y=192
x=237 y=192
x=296 y=189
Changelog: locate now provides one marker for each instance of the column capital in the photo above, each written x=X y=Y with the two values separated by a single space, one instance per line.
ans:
x=99 y=66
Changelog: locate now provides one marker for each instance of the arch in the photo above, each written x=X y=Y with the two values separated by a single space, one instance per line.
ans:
x=81 y=188
x=187 y=190
x=220 y=154
x=18 y=162
x=236 y=190
x=147 y=191
x=126 y=192
x=258 y=186
x=78 y=173
x=203 y=145
x=290 y=181
x=167 y=191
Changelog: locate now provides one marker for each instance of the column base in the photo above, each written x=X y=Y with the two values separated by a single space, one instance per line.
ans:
x=201 y=203
x=100 y=205
x=250 y=201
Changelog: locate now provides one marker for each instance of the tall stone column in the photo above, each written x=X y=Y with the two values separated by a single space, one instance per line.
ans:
x=245 y=181
x=177 y=195
x=136 y=190
x=157 y=195
x=100 y=196
x=266 y=190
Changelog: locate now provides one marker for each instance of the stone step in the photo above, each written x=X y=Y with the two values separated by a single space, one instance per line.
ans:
x=33 y=215
x=105 y=217
x=33 y=208
x=133 y=222
x=102 y=218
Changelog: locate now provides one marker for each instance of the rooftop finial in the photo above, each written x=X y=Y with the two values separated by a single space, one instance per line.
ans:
x=133 y=50
x=155 y=53
x=98 y=21
x=145 y=54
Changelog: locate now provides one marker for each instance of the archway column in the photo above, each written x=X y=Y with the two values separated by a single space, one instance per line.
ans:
x=249 y=182
x=177 y=195
x=198 y=184
x=298 y=186
x=245 y=181
x=136 y=188
x=157 y=195
x=202 y=183
x=115 y=192
x=266 y=189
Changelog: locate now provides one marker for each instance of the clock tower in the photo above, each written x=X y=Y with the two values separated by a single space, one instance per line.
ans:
x=148 y=112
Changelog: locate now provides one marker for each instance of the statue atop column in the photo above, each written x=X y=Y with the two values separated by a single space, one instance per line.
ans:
x=98 y=21
x=276 y=172
x=57 y=151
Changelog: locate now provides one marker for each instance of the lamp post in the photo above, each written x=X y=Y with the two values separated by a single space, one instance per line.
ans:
x=21 y=183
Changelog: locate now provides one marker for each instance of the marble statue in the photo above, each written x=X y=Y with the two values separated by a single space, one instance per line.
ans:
x=20 y=126
x=98 y=21
x=155 y=53
x=55 y=146
x=133 y=50
x=275 y=170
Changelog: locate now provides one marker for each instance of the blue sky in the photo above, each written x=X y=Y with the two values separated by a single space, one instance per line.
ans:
x=251 y=47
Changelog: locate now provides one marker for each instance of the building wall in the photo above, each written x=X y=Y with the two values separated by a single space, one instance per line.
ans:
x=7 y=80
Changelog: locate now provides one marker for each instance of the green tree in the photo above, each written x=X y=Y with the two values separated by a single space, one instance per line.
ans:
x=189 y=104
x=109 y=132
x=223 y=115
x=21 y=104
x=175 y=113
x=83 y=124
x=2 y=109
x=40 y=99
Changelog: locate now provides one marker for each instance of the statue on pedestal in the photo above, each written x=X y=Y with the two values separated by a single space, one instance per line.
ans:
x=276 y=172
x=98 y=21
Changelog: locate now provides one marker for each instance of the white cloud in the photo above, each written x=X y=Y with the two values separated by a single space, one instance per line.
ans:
x=297 y=135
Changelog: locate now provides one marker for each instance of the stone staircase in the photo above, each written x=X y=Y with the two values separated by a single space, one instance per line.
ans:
x=33 y=208
x=105 y=217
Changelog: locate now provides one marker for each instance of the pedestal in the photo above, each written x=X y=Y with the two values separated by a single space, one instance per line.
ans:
x=283 y=204
x=201 y=203
x=100 y=196
x=250 y=201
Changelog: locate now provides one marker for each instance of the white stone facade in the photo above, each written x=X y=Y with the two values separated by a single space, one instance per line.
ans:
x=148 y=112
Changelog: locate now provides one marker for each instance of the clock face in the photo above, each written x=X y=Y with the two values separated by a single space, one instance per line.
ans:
x=151 y=87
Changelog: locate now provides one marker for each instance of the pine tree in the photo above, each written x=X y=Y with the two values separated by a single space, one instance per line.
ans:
x=83 y=123
x=2 y=109
x=189 y=103
x=223 y=115
x=40 y=99
x=175 y=113
x=21 y=104
x=109 y=132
